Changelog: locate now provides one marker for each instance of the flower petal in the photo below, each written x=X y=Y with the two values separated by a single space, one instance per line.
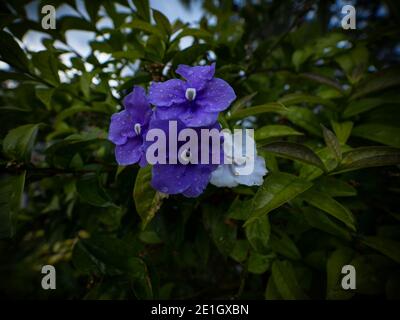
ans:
x=198 y=118
x=200 y=176
x=169 y=178
x=121 y=127
x=203 y=73
x=256 y=177
x=137 y=105
x=171 y=112
x=165 y=94
x=223 y=177
x=216 y=96
x=130 y=152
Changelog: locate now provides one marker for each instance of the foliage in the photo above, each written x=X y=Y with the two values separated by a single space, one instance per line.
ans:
x=324 y=104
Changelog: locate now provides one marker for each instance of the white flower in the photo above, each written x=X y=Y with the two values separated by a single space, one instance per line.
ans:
x=231 y=175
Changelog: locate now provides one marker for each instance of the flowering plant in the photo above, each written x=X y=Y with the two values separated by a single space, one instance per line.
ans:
x=194 y=103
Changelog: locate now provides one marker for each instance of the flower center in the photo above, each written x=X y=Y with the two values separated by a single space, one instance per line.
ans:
x=138 y=128
x=190 y=94
x=239 y=160
x=186 y=155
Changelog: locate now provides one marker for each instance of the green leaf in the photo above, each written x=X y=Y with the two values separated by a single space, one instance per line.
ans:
x=149 y=237
x=370 y=278
x=271 y=292
x=388 y=247
x=242 y=102
x=75 y=23
x=298 y=98
x=108 y=255
x=274 y=131
x=379 y=132
x=335 y=187
x=144 y=26
x=143 y=9
x=332 y=143
x=11 y=189
x=45 y=95
x=240 y=250
x=364 y=105
x=294 y=151
x=366 y=157
x=281 y=243
x=275 y=107
x=377 y=81
x=286 y=282
x=191 y=54
x=336 y=261
x=311 y=172
x=147 y=200
x=18 y=143
x=90 y=191
x=322 y=80
x=354 y=63
x=257 y=232
x=47 y=64
x=277 y=189
x=223 y=231
x=162 y=22
x=342 y=130
x=259 y=263
x=304 y=118
x=317 y=219
x=11 y=52
x=326 y=203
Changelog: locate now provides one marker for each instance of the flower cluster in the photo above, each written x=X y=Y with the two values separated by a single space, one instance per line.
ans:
x=195 y=103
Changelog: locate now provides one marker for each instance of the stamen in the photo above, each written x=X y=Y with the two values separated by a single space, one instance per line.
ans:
x=137 y=128
x=186 y=155
x=190 y=94
x=239 y=160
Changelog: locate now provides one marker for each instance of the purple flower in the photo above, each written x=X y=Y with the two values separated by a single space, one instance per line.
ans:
x=196 y=101
x=189 y=179
x=128 y=127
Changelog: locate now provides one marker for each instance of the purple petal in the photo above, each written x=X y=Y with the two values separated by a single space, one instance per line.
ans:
x=198 y=118
x=171 y=112
x=216 y=96
x=130 y=152
x=169 y=178
x=200 y=176
x=199 y=72
x=166 y=93
x=137 y=105
x=196 y=77
x=121 y=127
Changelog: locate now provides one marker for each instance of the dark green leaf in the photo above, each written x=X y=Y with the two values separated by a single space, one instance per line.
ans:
x=286 y=282
x=11 y=189
x=332 y=142
x=147 y=200
x=388 y=247
x=251 y=111
x=326 y=203
x=257 y=232
x=366 y=157
x=19 y=142
x=336 y=261
x=379 y=132
x=11 y=52
x=294 y=151
x=90 y=191
x=277 y=189
x=274 y=131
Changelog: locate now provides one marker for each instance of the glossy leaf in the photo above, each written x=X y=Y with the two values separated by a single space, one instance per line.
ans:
x=277 y=189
